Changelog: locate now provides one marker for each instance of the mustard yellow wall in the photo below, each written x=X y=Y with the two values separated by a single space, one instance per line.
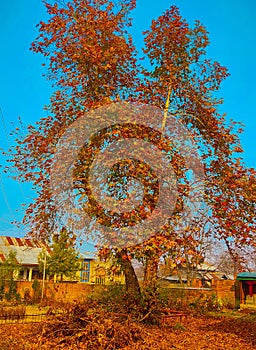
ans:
x=103 y=272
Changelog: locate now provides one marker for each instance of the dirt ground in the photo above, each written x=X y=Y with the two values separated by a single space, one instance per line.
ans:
x=218 y=332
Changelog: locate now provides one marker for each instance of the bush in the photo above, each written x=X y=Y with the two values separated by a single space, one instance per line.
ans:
x=2 y=291
x=112 y=298
x=204 y=304
x=37 y=291
x=12 y=294
x=27 y=297
x=174 y=299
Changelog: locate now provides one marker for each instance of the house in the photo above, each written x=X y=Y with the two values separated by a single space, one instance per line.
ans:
x=26 y=254
x=200 y=276
x=209 y=273
x=96 y=271
x=246 y=289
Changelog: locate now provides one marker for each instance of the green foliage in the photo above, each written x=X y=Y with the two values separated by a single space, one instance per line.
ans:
x=114 y=298
x=37 y=291
x=205 y=304
x=175 y=299
x=27 y=297
x=149 y=302
x=8 y=287
x=153 y=301
x=1 y=290
x=63 y=259
x=179 y=327
x=12 y=294
x=9 y=266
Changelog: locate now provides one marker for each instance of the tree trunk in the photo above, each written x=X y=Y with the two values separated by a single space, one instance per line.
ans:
x=150 y=272
x=131 y=280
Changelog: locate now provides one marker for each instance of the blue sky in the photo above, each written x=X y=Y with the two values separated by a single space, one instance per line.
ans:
x=24 y=92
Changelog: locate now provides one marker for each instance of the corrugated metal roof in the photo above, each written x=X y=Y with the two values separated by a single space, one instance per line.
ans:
x=175 y=278
x=26 y=250
x=246 y=276
x=2 y=258
x=21 y=242
x=205 y=266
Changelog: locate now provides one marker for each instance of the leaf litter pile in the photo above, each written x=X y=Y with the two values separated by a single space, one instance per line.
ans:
x=82 y=329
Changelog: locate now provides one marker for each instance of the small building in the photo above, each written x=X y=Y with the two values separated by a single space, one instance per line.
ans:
x=246 y=289
x=26 y=254
x=87 y=267
x=200 y=276
x=95 y=271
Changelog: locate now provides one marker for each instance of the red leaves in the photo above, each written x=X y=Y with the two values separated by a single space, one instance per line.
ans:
x=88 y=49
x=93 y=61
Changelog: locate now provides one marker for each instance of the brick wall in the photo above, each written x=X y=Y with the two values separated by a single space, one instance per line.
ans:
x=64 y=291
x=225 y=290
x=58 y=291
x=222 y=289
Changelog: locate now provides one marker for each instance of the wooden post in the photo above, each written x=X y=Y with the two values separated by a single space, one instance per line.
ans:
x=237 y=294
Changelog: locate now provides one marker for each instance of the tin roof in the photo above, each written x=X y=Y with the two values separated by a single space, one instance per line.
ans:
x=246 y=276
x=205 y=266
x=26 y=250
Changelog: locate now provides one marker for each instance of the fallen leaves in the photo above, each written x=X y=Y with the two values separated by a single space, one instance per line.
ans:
x=109 y=331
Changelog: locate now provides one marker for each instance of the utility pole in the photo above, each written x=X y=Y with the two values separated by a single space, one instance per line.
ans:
x=42 y=295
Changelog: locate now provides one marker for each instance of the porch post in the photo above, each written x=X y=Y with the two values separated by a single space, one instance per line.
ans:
x=30 y=274
x=25 y=273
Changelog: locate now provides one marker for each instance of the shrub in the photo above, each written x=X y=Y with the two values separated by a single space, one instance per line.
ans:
x=27 y=297
x=175 y=299
x=203 y=304
x=37 y=291
x=12 y=294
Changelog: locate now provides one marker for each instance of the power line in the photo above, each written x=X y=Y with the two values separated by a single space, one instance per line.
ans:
x=13 y=216
x=6 y=198
x=9 y=146
x=4 y=126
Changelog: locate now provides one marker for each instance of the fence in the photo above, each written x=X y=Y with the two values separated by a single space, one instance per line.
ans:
x=10 y=319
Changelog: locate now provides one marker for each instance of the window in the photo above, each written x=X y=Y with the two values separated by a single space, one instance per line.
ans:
x=86 y=265
x=85 y=273
x=100 y=280
x=85 y=276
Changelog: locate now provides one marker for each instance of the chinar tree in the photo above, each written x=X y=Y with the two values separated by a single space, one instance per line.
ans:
x=92 y=62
